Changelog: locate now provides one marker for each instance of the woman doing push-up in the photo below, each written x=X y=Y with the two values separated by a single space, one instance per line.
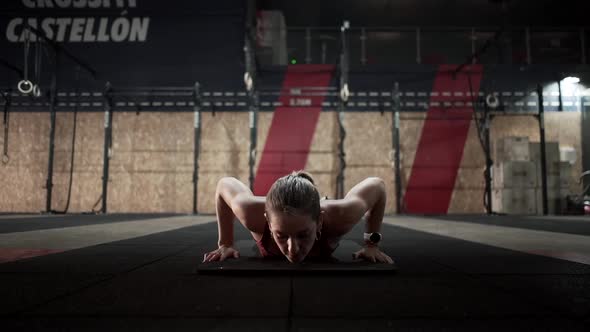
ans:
x=293 y=222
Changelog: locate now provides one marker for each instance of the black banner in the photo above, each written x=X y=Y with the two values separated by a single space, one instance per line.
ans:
x=127 y=42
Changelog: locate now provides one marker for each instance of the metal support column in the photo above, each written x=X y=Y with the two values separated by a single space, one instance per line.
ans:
x=341 y=154
x=344 y=94
x=489 y=161
x=395 y=103
x=585 y=106
x=7 y=102
x=52 y=104
x=251 y=88
x=197 y=140
x=108 y=122
x=253 y=136
x=541 y=118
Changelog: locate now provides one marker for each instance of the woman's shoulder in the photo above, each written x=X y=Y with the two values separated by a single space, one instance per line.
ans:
x=340 y=207
x=249 y=209
x=249 y=201
x=340 y=215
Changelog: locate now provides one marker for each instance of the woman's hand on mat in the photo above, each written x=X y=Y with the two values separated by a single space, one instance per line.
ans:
x=373 y=254
x=221 y=254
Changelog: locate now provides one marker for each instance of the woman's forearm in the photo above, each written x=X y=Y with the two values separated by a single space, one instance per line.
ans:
x=225 y=217
x=377 y=208
x=371 y=192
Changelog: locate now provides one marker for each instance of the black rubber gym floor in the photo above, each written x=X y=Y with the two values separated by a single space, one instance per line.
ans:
x=23 y=223
x=150 y=284
x=579 y=225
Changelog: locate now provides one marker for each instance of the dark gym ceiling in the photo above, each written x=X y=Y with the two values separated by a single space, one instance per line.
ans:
x=430 y=12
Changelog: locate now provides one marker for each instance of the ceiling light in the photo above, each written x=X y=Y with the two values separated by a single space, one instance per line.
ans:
x=571 y=80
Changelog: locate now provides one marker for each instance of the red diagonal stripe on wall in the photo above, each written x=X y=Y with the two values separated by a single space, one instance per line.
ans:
x=292 y=128
x=442 y=141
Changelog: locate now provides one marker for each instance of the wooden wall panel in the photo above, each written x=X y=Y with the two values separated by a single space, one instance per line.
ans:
x=25 y=174
x=152 y=157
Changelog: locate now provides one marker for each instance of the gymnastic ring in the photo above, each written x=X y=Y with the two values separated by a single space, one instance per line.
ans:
x=249 y=84
x=392 y=155
x=5 y=159
x=248 y=81
x=492 y=101
x=25 y=86
x=344 y=93
x=36 y=90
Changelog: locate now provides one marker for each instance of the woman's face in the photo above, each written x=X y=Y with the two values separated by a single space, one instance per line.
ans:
x=294 y=234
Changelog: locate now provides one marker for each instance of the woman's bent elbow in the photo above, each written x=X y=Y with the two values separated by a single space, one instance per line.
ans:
x=224 y=181
x=377 y=181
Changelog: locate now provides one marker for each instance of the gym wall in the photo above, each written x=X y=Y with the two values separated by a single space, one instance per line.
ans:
x=152 y=157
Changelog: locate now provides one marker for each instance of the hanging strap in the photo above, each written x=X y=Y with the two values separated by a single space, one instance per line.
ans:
x=7 y=99
x=25 y=86
x=37 y=79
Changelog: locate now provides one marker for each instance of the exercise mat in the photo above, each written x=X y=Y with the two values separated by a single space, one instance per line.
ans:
x=251 y=262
